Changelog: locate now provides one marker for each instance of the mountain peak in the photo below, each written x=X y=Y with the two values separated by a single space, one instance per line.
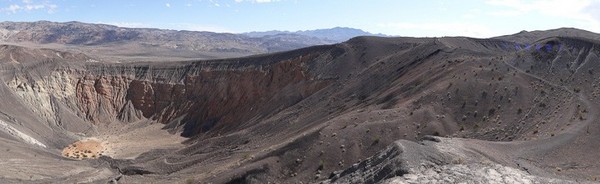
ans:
x=532 y=36
x=332 y=35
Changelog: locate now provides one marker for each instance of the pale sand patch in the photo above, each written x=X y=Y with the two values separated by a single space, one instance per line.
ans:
x=131 y=143
x=90 y=148
x=124 y=144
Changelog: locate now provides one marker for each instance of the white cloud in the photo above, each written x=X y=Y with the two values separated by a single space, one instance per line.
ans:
x=198 y=27
x=30 y=5
x=256 y=1
x=127 y=24
x=34 y=7
x=172 y=26
x=472 y=13
x=583 y=13
x=168 y=5
x=447 y=29
x=13 y=8
x=505 y=13
x=559 y=8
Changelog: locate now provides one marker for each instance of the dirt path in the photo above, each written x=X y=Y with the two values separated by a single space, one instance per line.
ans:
x=592 y=108
x=526 y=153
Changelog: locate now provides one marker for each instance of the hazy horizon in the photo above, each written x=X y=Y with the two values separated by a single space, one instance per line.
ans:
x=432 y=18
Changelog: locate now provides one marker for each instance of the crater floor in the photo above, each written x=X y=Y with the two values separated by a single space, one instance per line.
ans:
x=83 y=149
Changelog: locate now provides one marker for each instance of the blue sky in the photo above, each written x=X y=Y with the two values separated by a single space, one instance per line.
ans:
x=475 y=18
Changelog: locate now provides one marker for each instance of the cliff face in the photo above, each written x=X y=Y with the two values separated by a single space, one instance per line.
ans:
x=299 y=116
x=190 y=97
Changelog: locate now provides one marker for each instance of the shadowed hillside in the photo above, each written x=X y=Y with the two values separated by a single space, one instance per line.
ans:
x=459 y=106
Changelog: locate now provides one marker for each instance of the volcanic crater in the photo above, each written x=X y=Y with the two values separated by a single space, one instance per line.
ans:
x=330 y=113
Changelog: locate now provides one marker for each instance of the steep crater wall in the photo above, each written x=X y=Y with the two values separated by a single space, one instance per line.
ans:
x=193 y=97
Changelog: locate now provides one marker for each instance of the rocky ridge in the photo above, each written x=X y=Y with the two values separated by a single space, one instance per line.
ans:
x=516 y=112
x=111 y=41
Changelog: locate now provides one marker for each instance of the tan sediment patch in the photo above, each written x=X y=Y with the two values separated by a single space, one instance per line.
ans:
x=124 y=144
x=131 y=143
x=84 y=149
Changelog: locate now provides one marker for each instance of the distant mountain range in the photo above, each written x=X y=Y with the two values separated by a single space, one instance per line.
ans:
x=333 y=35
x=103 y=40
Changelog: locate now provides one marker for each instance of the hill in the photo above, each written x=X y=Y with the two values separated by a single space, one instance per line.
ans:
x=332 y=35
x=371 y=109
x=118 y=43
